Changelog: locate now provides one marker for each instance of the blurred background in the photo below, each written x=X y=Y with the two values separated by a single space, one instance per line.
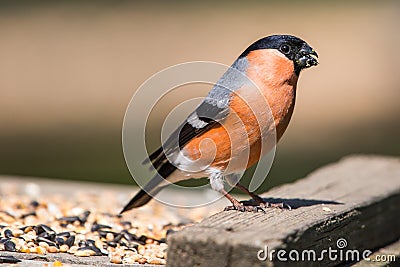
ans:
x=69 y=68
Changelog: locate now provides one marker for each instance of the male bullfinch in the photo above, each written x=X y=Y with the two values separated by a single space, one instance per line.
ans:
x=230 y=109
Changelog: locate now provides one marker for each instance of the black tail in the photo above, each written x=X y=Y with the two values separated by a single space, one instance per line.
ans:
x=151 y=188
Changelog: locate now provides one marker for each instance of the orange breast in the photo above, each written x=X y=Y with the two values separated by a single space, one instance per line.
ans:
x=250 y=116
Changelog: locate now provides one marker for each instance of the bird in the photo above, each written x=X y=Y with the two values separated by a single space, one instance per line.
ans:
x=232 y=120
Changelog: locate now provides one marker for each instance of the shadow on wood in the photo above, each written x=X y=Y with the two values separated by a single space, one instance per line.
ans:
x=368 y=188
x=294 y=203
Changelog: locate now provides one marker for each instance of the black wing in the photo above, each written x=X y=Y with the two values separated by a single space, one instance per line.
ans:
x=206 y=116
x=209 y=113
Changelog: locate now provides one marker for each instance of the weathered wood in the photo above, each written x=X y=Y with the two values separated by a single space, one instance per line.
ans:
x=32 y=260
x=356 y=200
x=387 y=256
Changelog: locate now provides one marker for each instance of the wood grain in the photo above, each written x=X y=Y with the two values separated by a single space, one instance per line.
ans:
x=357 y=199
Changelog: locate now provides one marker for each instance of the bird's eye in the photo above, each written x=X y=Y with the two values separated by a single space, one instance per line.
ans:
x=285 y=49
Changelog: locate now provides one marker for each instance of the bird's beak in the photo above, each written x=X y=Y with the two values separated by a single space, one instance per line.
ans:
x=307 y=57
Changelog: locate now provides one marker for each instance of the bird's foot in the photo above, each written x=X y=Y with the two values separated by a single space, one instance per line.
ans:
x=281 y=205
x=243 y=208
x=265 y=205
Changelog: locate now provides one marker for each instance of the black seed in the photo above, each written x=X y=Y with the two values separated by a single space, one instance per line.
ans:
x=90 y=242
x=128 y=236
x=133 y=247
x=163 y=240
x=112 y=244
x=34 y=204
x=118 y=237
x=4 y=239
x=103 y=233
x=8 y=259
x=123 y=243
x=142 y=238
x=60 y=241
x=9 y=246
x=42 y=239
x=104 y=252
x=96 y=226
x=127 y=224
x=49 y=236
x=44 y=231
x=83 y=217
x=92 y=248
x=8 y=233
x=64 y=234
x=133 y=238
x=69 y=219
x=70 y=241
x=41 y=228
x=82 y=243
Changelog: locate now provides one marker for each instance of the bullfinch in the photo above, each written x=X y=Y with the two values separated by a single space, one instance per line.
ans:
x=232 y=120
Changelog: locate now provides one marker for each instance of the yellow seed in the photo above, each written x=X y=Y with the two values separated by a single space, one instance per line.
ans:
x=141 y=249
x=109 y=237
x=142 y=260
x=82 y=253
x=57 y=264
x=73 y=249
x=18 y=233
x=98 y=243
x=91 y=252
x=40 y=250
x=64 y=248
x=6 y=218
x=160 y=255
x=28 y=229
x=52 y=249
x=24 y=249
x=129 y=260
x=44 y=245
x=129 y=253
x=116 y=259
x=155 y=261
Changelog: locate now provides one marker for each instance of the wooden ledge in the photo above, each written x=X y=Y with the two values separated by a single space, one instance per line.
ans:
x=356 y=200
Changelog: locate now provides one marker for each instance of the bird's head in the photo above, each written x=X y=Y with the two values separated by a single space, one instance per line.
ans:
x=292 y=47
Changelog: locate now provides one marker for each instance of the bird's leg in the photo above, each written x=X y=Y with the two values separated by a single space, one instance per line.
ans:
x=217 y=183
x=260 y=201
x=236 y=205
x=254 y=196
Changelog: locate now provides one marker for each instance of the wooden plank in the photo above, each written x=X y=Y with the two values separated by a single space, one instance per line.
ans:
x=386 y=256
x=33 y=260
x=356 y=200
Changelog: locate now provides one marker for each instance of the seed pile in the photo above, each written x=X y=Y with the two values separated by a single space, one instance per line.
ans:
x=84 y=226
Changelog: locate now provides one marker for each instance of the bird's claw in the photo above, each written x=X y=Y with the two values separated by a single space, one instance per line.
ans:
x=243 y=208
x=282 y=205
